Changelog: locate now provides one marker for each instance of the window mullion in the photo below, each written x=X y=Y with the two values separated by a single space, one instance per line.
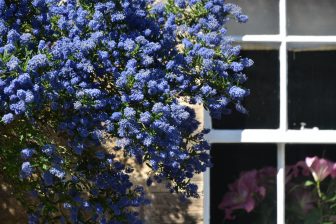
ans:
x=283 y=113
x=281 y=184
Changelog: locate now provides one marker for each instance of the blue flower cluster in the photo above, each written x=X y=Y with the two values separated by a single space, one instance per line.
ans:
x=87 y=195
x=98 y=70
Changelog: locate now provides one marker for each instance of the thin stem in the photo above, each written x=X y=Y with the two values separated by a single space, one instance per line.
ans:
x=318 y=187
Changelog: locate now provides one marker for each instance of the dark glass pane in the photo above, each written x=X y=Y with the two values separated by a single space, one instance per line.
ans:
x=229 y=160
x=263 y=17
x=297 y=152
x=311 y=89
x=263 y=103
x=311 y=17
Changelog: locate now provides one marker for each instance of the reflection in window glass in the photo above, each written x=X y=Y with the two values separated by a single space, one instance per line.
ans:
x=311 y=89
x=263 y=103
x=229 y=160
x=263 y=17
x=311 y=17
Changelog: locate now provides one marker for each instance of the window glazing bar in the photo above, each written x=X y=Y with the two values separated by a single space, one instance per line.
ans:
x=288 y=39
x=283 y=113
x=281 y=184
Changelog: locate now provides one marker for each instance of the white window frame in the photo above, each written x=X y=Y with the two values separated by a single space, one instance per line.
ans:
x=282 y=135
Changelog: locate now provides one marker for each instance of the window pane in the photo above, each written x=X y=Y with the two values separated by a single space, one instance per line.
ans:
x=297 y=47
x=229 y=160
x=311 y=89
x=311 y=17
x=304 y=202
x=263 y=103
x=297 y=152
x=263 y=17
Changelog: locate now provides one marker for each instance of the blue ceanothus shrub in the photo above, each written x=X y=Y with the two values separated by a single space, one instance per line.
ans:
x=75 y=74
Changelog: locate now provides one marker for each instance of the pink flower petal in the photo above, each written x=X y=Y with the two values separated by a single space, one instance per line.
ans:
x=249 y=204
x=333 y=172
x=262 y=191
x=320 y=168
x=310 y=161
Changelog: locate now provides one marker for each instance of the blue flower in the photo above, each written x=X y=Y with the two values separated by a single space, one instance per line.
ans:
x=2 y=5
x=117 y=17
x=129 y=112
x=236 y=66
x=26 y=38
x=240 y=108
x=39 y=3
x=24 y=79
x=145 y=117
x=49 y=149
x=13 y=64
x=36 y=62
x=27 y=153
x=116 y=116
x=26 y=170
x=129 y=45
x=41 y=45
x=13 y=36
x=48 y=178
x=57 y=172
x=237 y=93
x=206 y=53
x=7 y=118
x=19 y=107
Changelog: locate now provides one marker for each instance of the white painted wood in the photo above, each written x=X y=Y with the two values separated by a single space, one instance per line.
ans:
x=283 y=113
x=311 y=39
x=272 y=136
x=283 y=86
x=206 y=198
x=257 y=38
x=207 y=119
x=281 y=184
x=282 y=37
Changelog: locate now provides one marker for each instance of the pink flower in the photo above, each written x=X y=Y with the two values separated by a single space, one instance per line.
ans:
x=241 y=195
x=267 y=172
x=294 y=171
x=333 y=173
x=320 y=168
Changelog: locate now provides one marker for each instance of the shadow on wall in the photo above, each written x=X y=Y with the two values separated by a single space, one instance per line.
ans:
x=11 y=211
x=167 y=208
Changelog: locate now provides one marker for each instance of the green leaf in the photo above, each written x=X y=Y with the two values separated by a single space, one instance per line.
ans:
x=309 y=183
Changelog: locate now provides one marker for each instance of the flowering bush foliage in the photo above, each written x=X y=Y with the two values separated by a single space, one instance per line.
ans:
x=74 y=74
x=310 y=193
